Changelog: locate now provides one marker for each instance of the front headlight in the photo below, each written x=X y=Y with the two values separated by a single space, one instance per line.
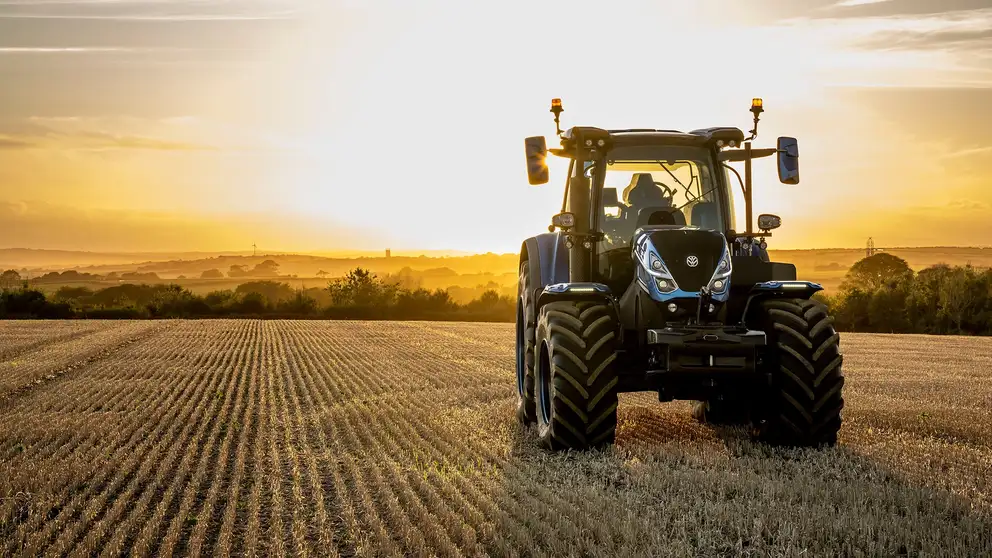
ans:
x=666 y=285
x=659 y=271
x=656 y=263
x=654 y=267
x=721 y=277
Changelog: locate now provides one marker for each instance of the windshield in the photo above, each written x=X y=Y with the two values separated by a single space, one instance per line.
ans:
x=670 y=191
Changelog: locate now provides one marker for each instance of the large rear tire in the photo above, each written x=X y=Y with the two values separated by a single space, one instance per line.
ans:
x=526 y=332
x=575 y=379
x=807 y=381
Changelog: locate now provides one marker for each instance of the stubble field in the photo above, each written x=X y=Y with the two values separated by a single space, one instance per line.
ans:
x=270 y=438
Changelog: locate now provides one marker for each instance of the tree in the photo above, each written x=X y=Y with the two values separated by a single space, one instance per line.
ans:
x=212 y=274
x=924 y=304
x=9 y=279
x=875 y=271
x=268 y=268
x=273 y=292
x=322 y=273
x=362 y=288
x=238 y=271
x=887 y=308
x=71 y=294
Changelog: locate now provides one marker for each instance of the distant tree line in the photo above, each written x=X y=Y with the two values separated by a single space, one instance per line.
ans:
x=358 y=295
x=882 y=294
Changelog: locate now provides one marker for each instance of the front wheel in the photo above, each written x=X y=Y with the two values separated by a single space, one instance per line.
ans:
x=576 y=382
x=525 y=347
x=804 y=406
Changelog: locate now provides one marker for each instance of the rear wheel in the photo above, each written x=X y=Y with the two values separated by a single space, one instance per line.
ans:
x=805 y=360
x=576 y=381
x=525 y=347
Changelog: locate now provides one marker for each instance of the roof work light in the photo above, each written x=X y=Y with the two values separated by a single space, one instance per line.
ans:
x=557 y=110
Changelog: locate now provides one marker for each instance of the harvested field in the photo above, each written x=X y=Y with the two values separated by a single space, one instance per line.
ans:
x=271 y=438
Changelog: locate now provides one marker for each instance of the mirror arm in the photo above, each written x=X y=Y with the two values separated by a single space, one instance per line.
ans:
x=737 y=155
x=737 y=174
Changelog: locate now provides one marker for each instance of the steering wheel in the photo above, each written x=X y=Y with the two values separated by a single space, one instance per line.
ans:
x=666 y=188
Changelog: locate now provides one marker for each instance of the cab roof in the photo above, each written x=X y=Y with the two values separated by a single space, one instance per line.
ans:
x=650 y=136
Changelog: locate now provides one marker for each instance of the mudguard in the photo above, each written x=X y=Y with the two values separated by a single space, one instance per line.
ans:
x=548 y=259
x=780 y=289
x=574 y=291
x=578 y=292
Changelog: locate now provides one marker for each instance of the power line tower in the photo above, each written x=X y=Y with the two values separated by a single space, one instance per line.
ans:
x=870 y=248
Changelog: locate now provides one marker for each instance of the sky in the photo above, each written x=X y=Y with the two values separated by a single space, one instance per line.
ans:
x=312 y=125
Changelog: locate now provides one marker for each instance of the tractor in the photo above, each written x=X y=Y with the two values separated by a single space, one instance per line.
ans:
x=643 y=283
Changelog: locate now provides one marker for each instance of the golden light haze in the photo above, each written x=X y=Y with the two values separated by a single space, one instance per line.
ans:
x=318 y=125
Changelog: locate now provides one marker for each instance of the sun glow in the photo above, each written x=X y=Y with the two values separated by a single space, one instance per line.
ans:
x=403 y=123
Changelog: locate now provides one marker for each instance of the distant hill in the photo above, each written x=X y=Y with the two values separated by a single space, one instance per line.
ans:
x=19 y=258
x=828 y=265
x=918 y=258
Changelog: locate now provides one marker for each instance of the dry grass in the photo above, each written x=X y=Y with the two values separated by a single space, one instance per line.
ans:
x=350 y=438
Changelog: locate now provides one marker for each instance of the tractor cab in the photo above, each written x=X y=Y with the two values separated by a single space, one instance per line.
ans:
x=668 y=194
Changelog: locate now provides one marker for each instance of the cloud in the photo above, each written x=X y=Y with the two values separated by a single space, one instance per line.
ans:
x=852 y=3
x=151 y=10
x=13 y=143
x=103 y=142
x=59 y=50
x=968 y=152
x=972 y=39
x=161 y=17
x=944 y=49
x=70 y=133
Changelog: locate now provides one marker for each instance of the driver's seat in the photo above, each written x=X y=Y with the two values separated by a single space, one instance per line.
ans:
x=644 y=198
x=642 y=192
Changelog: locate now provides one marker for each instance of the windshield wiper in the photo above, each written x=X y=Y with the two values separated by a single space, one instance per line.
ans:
x=704 y=194
x=688 y=193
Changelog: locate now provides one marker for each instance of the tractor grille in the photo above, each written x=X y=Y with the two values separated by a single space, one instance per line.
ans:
x=677 y=246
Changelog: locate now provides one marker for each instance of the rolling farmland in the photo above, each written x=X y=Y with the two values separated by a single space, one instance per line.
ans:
x=271 y=438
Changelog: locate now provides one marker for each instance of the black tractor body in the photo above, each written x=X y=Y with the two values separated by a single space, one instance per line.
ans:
x=644 y=284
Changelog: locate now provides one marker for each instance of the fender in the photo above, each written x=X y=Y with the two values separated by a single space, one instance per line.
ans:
x=581 y=291
x=780 y=289
x=548 y=259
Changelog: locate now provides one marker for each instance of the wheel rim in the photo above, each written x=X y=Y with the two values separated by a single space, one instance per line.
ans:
x=521 y=347
x=543 y=373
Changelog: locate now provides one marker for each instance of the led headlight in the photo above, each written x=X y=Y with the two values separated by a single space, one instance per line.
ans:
x=656 y=263
x=721 y=276
x=655 y=268
x=666 y=285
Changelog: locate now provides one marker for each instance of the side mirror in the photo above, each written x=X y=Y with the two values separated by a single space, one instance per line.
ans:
x=563 y=221
x=767 y=222
x=537 y=164
x=788 y=160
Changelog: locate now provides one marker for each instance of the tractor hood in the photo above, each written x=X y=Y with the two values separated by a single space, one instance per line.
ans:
x=679 y=262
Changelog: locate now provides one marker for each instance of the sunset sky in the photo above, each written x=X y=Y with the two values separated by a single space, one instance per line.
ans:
x=328 y=124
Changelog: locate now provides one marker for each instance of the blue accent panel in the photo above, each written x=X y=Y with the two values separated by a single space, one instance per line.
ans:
x=649 y=284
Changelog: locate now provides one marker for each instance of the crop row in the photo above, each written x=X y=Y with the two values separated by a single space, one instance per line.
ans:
x=272 y=438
